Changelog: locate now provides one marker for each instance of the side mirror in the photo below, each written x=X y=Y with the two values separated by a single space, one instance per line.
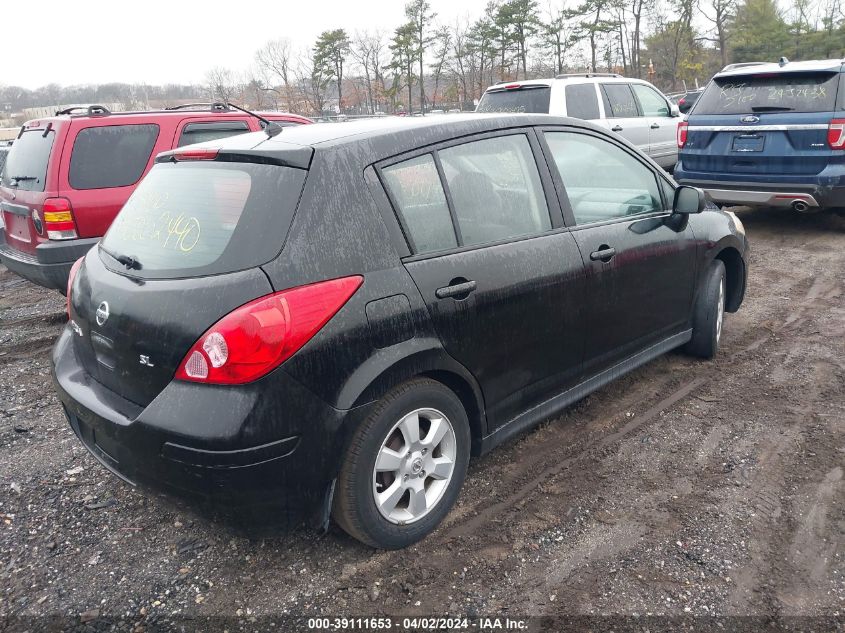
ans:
x=689 y=200
x=674 y=110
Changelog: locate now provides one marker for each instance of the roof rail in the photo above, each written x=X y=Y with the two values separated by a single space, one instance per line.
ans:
x=564 y=76
x=742 y=65
x=214 y=107
x=91 y=110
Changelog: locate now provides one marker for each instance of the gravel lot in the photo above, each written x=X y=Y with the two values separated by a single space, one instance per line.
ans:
x=685 y=489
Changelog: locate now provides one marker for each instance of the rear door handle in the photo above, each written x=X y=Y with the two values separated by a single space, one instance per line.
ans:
x=604 y=254
x=457 y=289
x=655 y=126
x=616 y=128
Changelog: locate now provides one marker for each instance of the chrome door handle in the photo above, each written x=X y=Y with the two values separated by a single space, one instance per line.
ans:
x=655 y=126
x=616 y=128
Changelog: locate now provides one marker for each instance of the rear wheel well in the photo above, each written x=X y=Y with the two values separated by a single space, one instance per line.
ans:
x=465 y=394
x=734 y=277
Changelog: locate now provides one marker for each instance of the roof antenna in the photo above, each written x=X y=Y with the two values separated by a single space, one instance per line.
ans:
x=783 y=61
x=270 y=128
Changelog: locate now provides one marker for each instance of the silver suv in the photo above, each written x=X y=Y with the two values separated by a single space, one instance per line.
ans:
x=631 y=107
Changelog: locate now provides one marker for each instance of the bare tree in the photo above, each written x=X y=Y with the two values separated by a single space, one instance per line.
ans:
x=366 y=51
x=274 y=60
x=443 y=40
x=719 y=14
x=221 y=84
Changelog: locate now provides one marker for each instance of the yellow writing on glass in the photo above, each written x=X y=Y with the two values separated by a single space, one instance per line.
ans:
x=180 y=232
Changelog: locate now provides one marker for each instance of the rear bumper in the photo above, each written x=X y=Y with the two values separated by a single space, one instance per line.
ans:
x=51 y=263
x=265 y=451
x=761 y=198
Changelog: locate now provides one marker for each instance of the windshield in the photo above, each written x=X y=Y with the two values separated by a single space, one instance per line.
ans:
x=26 y=164
x=786 y=92
x=526 y=99
x=194 y=219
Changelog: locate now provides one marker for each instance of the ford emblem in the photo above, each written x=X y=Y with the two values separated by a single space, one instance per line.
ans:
x=102 y=313
x=750 y=119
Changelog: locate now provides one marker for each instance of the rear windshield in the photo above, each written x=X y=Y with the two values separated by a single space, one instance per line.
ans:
x=787 y=92
x=528 y=99
x=111 y=155
x=26 y=165
x=194 y=219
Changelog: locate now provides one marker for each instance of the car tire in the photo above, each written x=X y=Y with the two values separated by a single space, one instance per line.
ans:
x=384 y=459
x=708 y=313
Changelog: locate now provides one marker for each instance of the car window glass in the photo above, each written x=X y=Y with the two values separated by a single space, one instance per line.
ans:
x=533 y=98
x=581 y=101
x=495 y=189
x=202 y=131
x=416 y=189
x=626 y=186
x=26 y=164
x=111 y=156
x=620 y=100
x=651 y=102
x=668 y=193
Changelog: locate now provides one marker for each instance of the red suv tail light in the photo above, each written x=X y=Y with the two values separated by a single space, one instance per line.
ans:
x=259 y=336
x=73 y=270
x=58 y=219
x=836 y=134
x=682 y=134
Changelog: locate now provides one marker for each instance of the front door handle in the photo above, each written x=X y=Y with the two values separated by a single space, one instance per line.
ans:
x=459 y=288
x=616 y=128
x=604 y=254
x=655 y=126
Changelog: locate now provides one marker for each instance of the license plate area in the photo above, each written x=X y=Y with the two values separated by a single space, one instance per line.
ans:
x=748 y=143
x=17 y=227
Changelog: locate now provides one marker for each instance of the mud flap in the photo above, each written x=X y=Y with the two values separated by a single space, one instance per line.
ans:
x=321 y=518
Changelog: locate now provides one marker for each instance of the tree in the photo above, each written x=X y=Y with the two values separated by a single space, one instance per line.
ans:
x=330 y=53
x=367 y=50
x=274 y=61
x=420 y=16
x=221 y=84
x=443 y=41
x=554 y=36
x=521 y=16
x=594 y=23
x=758 y=31
x=403 y=55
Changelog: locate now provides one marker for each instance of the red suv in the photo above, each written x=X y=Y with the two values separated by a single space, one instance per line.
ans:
x=67 y=176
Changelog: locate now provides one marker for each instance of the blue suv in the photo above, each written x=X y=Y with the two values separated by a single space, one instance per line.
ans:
x=768 y=134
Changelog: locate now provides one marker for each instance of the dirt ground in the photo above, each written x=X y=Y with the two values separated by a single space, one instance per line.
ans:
x=687 y=488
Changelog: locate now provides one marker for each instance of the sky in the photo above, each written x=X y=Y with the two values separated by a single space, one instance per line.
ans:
x=178 y=41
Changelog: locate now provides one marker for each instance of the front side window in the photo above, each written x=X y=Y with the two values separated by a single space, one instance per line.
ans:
x=619 y=101
x=581 y=101
x=651 y=102
x=111 y=156
x=202 y=131
x=417 y=192
x=495 y=189
x=602 y=181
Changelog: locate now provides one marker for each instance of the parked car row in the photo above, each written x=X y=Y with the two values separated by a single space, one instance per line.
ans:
x=67 y=176
x=330 y=319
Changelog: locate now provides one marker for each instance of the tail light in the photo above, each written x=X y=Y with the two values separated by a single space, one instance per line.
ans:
x=682 y=133
x=259 y=336
x=836 y=134
x=73 y=270
x=196 y=154
x=58 y=219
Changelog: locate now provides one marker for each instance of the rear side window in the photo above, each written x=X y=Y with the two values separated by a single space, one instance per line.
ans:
x=495 y=189
x=651 y=102
x=786 y=92
x=191 y=219
x=619 y=101
x=581 y=101
x=111 y=156
x=416 y=190
x=525 y=99
x=26 y=164
x=211 y=131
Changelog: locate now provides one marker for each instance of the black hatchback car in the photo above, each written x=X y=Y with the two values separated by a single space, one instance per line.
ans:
x=334 y=319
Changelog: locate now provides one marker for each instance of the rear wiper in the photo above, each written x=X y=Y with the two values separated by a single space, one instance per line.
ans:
x=271 y=129
x=771 y=108
x=22 y=178
x=127 y=260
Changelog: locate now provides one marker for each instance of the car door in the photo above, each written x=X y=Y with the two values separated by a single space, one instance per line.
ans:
x=662 y=126
x=623 y=114
x=640 y=268
x=502 y=278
